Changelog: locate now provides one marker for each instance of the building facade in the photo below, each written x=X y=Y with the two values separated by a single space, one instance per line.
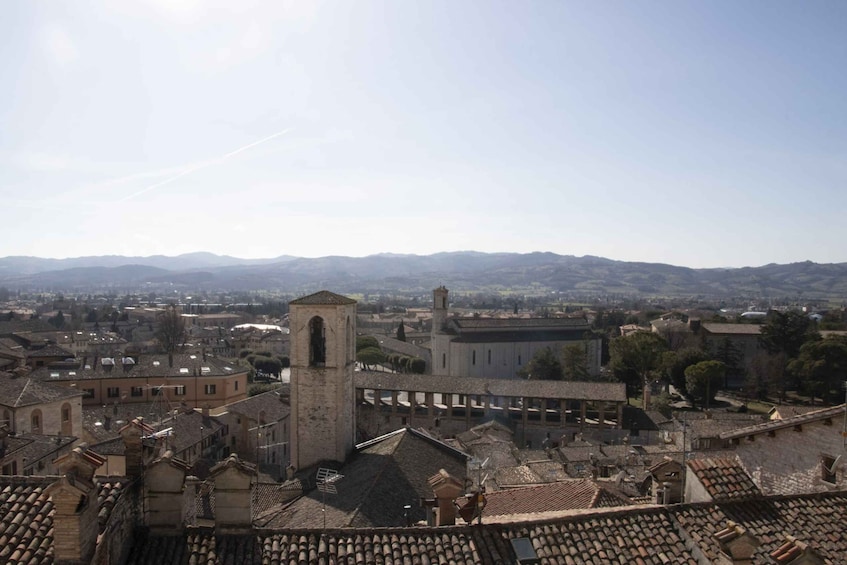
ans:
x=500 y=347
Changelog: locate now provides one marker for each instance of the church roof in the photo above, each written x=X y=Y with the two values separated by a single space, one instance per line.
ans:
x=323 y=298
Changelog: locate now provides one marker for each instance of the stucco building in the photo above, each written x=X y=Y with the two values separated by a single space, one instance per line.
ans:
x=499 y=347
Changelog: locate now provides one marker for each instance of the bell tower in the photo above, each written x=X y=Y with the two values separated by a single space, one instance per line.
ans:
x=440 y=340
x=323 y=356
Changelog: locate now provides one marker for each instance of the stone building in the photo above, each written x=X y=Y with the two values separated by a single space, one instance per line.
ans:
x=31 y=406
x=499 y=347
x=323 y=356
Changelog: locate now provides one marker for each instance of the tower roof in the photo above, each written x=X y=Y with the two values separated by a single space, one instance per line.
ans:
x=323 y=298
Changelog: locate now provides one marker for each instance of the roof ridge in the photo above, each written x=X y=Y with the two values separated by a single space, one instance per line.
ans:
x=20 y=396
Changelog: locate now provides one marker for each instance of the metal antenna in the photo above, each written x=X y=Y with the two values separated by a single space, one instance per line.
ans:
x=326 y=480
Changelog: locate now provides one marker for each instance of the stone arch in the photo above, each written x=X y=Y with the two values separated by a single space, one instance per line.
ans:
x=36 y=421
x=317 y=342
x=67 y=419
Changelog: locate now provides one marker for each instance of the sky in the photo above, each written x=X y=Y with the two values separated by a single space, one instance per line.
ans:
x=700 y=134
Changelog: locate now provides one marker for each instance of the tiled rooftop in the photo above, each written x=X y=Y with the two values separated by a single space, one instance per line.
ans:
x=668 y=535
x=732 y=329
x=817 y=520
x=184 y=365
x=724 y=479
x=519 y=323
x=26 y=517
x=552 y=497
x=383 y=476
x=271 y=403
x=26 y=391
x=323 y=298
x=772 y=425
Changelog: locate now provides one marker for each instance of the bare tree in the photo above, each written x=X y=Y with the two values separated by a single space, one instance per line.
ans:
x=170 y=330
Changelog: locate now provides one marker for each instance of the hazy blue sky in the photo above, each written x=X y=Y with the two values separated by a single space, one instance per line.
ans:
x=693 y=133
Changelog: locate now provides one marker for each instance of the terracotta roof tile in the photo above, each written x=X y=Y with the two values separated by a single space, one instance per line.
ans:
x=323 y=298
x=724 y=478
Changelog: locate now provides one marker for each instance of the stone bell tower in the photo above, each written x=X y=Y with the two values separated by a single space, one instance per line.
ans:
x=323 y=356
x=440 y=341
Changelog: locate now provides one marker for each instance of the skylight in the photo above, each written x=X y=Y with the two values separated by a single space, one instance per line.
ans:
x=183 y=370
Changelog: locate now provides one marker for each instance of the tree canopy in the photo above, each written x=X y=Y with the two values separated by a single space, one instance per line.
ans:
x=575 y=362
x=370 y=356
x=635 y=358
x=703 y=379
x=786 y=332
x=364 y=341
x=821 y=367
x=544 y=365
x=675 y=363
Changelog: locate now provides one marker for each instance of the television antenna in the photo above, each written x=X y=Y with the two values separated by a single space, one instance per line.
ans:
x=326 y=480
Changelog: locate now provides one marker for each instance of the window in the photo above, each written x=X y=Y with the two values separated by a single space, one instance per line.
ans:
x=828 y=464
x=317 y=342
x=236 y=385
x=66 y=414
x=473 y=358
x=179 y=390
x=489 y=357
x=89 y=392
x=113 y=392
x=35 y=421
x=519 y=360
x=443 y=360
x=136 y=391
x=210 y=389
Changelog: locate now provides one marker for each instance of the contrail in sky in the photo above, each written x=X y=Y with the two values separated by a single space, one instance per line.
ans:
x=203 y=165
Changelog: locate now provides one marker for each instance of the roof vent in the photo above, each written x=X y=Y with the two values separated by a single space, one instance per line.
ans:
x=205 y=370
x=156 y=363
x=183 y=370
x=128 y=361
x=107 y=361
x=54 y=375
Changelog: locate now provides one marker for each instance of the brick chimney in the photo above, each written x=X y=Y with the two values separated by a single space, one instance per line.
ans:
x=233 y=480
x=795 y=552
x=446 y=489
x=163 y=494
x=74 y=496
x=737 y=545
x=132 y=434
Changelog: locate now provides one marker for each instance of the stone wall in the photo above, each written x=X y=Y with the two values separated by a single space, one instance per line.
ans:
x=790 y=461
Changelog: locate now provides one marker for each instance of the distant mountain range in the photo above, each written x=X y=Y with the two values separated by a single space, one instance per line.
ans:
x=463 y=271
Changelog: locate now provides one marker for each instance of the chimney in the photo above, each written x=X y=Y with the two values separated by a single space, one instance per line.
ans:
x=233 y=480
x=132 y=434
x=74 y=496
x=795 y=552
x=737 y=545
x=206 y=411
x=163 y=493
x=446 y=489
